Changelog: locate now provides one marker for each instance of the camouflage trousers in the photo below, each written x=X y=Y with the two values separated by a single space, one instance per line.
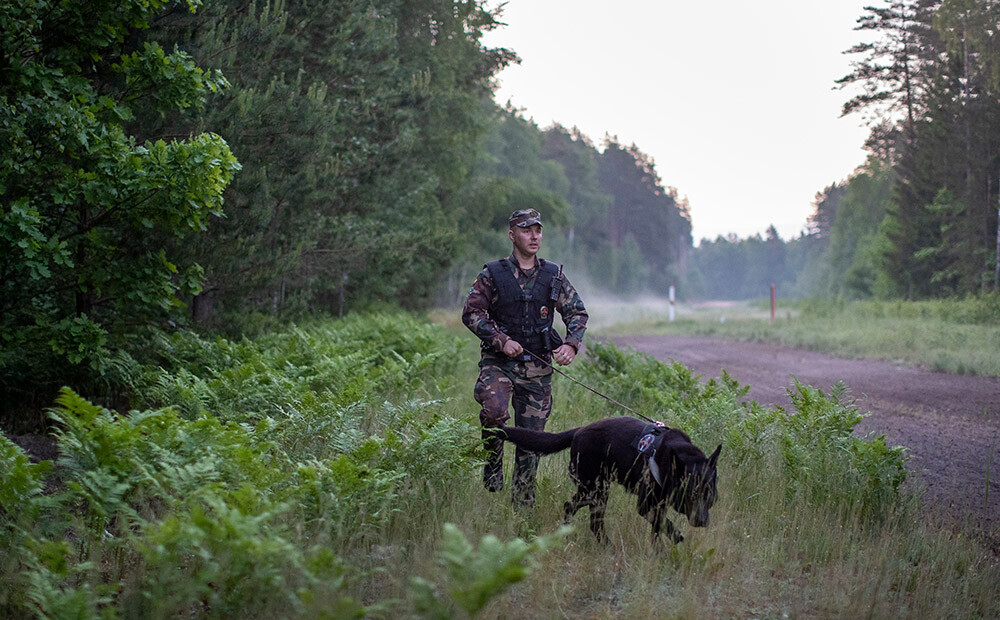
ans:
x=529 y=385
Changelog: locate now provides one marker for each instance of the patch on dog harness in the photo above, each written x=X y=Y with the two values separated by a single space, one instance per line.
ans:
x=649 y=439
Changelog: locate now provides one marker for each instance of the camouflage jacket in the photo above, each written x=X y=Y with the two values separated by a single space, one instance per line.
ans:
x=483 y=295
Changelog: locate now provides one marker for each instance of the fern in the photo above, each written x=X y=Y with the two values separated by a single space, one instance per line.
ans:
x=477 y=575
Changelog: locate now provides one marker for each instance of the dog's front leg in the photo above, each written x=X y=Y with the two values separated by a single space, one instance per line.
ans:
x=656 y=515
x=653 y=514
x=672 y=532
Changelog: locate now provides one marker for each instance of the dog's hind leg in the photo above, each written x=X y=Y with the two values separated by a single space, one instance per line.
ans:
x=594 y=496
x=597 y=508
x=584 y=496
x=592 y=486
x=584 y=491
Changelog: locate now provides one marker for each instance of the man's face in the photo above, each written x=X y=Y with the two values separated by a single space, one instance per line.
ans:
x=526 y=240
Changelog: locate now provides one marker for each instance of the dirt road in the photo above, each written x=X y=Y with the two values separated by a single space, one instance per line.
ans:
x=949 y=423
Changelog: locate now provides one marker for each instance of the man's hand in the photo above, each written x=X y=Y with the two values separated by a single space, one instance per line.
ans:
x=512 y=348
x=564 y=355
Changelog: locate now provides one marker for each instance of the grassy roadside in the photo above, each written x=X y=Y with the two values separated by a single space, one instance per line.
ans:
x=314 y=471
x=961 y=337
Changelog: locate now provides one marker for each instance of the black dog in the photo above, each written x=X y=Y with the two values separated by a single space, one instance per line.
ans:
x=657 y=463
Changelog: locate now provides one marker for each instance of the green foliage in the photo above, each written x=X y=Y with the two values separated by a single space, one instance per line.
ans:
x=358 y=125
x=918 y=220
x=608 y=217
x=972 y=310
x=643 y=210
x=218 y=558
x=246 y=513
x=734 y=268
x=286 y=374
x=477 y=575
x=21 y=504
x=852 y=262
x=949 y=335
x=817 y=438
x=85 y=203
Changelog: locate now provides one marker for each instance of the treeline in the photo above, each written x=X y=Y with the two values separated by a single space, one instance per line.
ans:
x=734 y=268
x=919 y=219
x=199 y=162
x=606 y=211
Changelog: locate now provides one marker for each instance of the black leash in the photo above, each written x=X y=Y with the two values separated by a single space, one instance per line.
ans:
x=607 y=398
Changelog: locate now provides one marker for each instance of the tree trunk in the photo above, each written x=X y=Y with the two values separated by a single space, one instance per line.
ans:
x=202 y=306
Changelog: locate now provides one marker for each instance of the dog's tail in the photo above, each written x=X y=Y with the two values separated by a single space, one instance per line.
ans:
x=536 y=441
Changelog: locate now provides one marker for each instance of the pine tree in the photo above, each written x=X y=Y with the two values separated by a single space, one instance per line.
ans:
x=646 y=210
x=891 y=69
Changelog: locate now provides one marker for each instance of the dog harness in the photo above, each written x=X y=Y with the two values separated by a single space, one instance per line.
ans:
x=647 y=443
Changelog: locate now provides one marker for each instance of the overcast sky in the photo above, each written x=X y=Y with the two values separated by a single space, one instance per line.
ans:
x=733 y=99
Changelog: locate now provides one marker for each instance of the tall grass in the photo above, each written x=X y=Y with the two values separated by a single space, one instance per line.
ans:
x=331 y=470
x=956 y=336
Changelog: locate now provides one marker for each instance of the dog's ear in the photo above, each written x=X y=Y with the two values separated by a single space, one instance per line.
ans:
x=715 y=456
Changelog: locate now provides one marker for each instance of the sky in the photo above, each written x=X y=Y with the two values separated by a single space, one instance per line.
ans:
x=734 y=100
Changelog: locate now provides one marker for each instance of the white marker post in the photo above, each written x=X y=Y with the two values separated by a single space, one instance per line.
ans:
x=772 y=303
x=671 y=303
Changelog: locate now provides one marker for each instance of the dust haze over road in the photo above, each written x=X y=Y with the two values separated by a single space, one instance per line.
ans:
x=949 y=423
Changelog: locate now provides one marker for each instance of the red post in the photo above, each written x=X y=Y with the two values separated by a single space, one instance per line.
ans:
x=772 y=302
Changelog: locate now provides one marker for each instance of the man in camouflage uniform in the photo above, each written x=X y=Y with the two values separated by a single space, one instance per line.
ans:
x=511 y=308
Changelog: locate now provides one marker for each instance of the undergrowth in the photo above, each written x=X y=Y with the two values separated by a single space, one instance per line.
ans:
x=331 y=470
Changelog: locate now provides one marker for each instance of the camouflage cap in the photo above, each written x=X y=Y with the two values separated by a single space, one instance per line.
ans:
x=522 y=218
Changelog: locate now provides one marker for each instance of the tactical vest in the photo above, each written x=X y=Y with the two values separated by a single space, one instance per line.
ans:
x=526 y=315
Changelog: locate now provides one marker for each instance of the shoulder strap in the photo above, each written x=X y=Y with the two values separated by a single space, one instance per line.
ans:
x=504 y=280
x=549 y=267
